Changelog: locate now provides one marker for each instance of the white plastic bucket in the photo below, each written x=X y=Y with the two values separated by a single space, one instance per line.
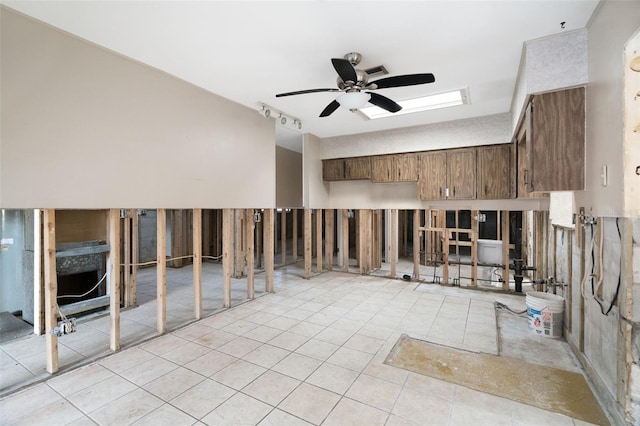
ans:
x=545 y=313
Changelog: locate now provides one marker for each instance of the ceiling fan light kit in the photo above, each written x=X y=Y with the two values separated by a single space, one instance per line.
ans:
x=353 y=82
x=353 y=101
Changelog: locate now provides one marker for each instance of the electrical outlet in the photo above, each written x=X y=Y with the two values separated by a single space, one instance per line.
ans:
x=65 y=327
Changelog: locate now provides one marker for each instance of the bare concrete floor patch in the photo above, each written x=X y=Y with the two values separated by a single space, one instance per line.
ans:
x=552 y=389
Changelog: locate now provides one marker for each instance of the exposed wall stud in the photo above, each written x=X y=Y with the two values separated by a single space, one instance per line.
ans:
x=50 y=289
x=269 y=247
x=114 y=278
x=227 y=255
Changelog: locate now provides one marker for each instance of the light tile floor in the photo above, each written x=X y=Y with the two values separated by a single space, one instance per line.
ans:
x=312 y=353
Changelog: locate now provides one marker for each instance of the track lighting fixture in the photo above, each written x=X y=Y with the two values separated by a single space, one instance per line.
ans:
x=283 y=119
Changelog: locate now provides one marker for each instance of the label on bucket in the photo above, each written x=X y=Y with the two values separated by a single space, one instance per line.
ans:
x=545 y=322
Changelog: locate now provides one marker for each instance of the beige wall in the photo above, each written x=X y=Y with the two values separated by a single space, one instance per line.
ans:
x=85 y=128
x=288 y=178
x=611 y=28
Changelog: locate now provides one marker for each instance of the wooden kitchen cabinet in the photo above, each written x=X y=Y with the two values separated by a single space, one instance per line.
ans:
x=461 y=174
x=494 y=172
x=333 y=169
x=357 y=168
x=432 y=180
x=383 y=169
x=555 y=142
x=406 y=167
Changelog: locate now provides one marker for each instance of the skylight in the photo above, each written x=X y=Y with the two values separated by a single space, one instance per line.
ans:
x=424 y=103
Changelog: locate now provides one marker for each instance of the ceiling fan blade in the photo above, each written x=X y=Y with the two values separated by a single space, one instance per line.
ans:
x=345 y=70
x=329 y=109
x=302 y=92
x=402 y=80
x=384 y=102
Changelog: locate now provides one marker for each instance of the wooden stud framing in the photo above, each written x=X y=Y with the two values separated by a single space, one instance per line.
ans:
x=126 y=260
x=345 y=240
x=445 y=257
x=307 y=243
x=269 y=246
x=405 y=232
x=50 y=289
x=393 y=252
x=416 y=244
x=318 y=240
x=294 y=236
x=161 y=270
x=328 y=239
x=249 y=235
x=504 y=226
x=114 y=279
x=365 y=228
x=227 y=255
x=283 y=237
x=197 y=263
x=133 y=269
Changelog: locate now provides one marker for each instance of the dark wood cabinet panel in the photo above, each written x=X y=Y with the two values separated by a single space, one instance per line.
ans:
x=333 y=169
x=494 y=172
x=432 y=178
x=383 y=169
x=556 y=142
x=357 y=168
x=461 y=174
x=406 y=167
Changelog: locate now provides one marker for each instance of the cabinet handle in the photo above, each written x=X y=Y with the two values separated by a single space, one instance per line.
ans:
x=485 y=190
x=525 y=177
x=454 y=191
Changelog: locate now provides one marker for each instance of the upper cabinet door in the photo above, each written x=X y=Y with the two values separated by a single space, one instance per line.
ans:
x=494 y=172
x=357 y=168
x=556 y=152
x=406 y=167
x=461 y=174
x=383 y=169
x=432 y=179
x=333 y=169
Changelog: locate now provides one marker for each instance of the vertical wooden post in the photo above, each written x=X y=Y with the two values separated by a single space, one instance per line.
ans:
x=249 y=235
x=445 y=257
x=283 y=236
x=197 y=263
x=294 y=237
x=318 y=240
x=393 y=252
x=328 y=239
x=50 y=290
x=161 y=271
x=416 y=244
x=307 y=243
x=269 y=246
x=378 y=246
x=365 y=227
x=114 y=279
x=345 y=240
x=227 y=255
x=504 y=226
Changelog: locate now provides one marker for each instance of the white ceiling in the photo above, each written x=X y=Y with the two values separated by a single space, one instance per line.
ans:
x=249 y=51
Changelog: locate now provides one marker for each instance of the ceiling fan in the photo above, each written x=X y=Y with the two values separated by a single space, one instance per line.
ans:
x=355 y=85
